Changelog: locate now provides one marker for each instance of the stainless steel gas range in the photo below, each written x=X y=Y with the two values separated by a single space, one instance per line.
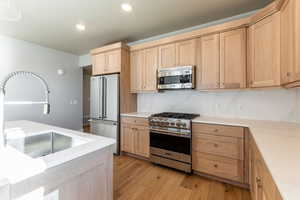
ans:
x=171 y=140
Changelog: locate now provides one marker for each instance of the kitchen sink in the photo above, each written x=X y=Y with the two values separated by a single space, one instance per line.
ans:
x=42 y=145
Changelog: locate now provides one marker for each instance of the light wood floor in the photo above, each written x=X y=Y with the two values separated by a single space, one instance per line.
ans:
x=140 y=180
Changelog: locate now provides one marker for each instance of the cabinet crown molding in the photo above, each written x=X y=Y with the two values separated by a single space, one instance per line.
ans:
x=118 y=45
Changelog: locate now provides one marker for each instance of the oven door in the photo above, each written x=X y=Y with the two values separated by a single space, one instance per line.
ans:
x=170 y=146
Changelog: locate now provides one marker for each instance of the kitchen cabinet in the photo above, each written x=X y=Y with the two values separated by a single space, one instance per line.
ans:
x=233 y=59
x=135 y=138
x=186 y=53
x=262 y=185
x=290 y=42
x=107 y=63
x=178 y=54
x=142 y=141
x=136 y=65
x=167 y=55
x=264 y=52
x=127 y=138
x=219 y=151
x=149 y=72
x=208 y=62
x=144 y=70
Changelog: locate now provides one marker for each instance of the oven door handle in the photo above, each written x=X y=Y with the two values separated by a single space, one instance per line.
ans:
x=166 y=132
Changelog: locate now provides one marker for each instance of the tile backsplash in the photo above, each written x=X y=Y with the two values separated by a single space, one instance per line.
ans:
x=264 y=104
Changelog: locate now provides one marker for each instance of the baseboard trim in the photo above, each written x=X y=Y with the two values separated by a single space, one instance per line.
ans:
x=241 y=185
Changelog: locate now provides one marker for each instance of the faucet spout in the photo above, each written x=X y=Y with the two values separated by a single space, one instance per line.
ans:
x=2 y=100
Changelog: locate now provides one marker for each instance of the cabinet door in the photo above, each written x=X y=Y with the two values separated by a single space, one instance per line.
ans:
x=113 y=61
x=186 y=52
x=142 y=141
x=233 y=59
x=208 y=64
x=136 y=67
x=167 y=55
x=264 y=44
x=99 y=63
x=150 y=69
x=127 y=138
x=290 y=42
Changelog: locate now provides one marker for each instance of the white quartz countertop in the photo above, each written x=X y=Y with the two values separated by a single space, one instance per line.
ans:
x=137 y=114
x=16 y=166
x=279 y=144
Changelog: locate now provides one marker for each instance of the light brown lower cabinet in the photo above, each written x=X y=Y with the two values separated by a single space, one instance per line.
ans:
x=135 y=139
x=219 y=151
x=261 y=182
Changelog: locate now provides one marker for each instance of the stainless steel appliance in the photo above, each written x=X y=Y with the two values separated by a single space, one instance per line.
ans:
x=104 y=111
x=171 y=140
x=176 y=78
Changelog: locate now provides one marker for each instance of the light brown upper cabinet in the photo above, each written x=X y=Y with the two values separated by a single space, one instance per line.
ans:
x=186 y=53
x=264 y=52
x=233 y=59
x=208 y=62
x=99 y=61
x=178 y=54
x=167 y=55
x=150 y=69
x=136 y=65
x=143 y=70
x=290 y=42
x=107 y=63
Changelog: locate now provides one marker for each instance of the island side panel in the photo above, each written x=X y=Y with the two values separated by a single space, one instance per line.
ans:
x=87 y=177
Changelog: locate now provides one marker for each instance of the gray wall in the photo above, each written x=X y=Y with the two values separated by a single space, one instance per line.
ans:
x=66 y=91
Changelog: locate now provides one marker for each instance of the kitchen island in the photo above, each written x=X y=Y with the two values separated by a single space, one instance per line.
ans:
x=81 y=170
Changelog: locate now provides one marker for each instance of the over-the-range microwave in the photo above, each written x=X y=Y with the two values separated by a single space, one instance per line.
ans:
x=182 y=77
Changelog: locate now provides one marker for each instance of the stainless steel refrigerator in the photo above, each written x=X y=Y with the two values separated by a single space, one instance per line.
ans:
x=104 y=109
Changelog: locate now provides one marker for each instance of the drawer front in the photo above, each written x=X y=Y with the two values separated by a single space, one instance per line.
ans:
x=230 y=131
x=218 y=166
x=218 y=145
x=135 y=121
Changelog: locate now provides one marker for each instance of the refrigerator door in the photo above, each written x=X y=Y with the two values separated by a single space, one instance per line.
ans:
x=111 y=98
x=96 y=101
x=106 y=129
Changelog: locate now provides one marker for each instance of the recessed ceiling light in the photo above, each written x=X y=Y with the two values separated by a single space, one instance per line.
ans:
x=126 y=7
x=80 y=27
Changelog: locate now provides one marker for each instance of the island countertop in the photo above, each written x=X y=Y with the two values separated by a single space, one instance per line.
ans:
x=16 y=166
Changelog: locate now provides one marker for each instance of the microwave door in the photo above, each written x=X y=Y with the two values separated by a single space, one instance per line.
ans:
x=96 y=102
x=111 y=98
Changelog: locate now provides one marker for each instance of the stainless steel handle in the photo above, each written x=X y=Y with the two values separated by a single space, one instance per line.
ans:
x=104 y=97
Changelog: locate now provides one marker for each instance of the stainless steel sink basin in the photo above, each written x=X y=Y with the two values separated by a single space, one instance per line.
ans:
x=42 y=145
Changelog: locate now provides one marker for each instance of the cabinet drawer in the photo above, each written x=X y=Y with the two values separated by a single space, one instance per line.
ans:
x=219 y=145
x=230 y=131
x=227 y=168
x=135 y=121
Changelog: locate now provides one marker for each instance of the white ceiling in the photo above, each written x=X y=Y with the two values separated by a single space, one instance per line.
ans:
x=52 y=22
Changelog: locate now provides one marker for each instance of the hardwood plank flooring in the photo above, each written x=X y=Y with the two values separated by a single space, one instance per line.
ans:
x=135 y=179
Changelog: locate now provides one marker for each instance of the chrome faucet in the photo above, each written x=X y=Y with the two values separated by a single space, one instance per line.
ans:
x=3 y=102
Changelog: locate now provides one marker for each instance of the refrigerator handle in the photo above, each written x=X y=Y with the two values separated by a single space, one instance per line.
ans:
x=104 y=98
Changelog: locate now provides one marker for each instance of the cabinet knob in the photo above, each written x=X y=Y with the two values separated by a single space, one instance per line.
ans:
x=216 y=130
x=288 y=74
x=216 y=145
x=216 y=166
